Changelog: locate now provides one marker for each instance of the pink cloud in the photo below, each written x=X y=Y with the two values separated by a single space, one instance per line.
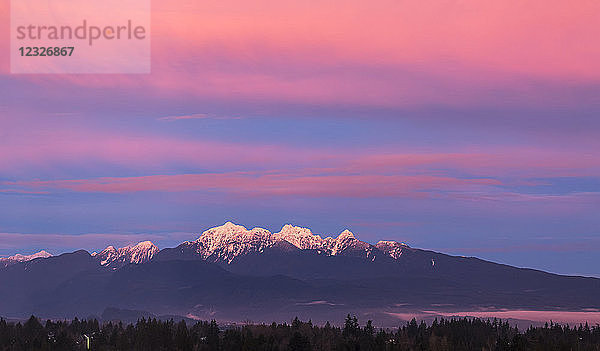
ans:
x=260 y=184
x=45 y=149
x=194 y=116
x=511 y=36
x=23 y=192
x=492 y=161
x=272 y=168
x=384 y=53
x=183 y=117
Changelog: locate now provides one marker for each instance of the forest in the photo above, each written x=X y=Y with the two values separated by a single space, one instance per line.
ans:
x=153 y=334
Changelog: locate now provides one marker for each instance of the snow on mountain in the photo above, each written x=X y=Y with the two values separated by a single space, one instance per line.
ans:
x=300 y=237
x=225 y=243
x=391 y=248
x=346 y=243
x=142 y=252
x=133 y=254
x=7 y=261
x=304 y=239
x=229 y=241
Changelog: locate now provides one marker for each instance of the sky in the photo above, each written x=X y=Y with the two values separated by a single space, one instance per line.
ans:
x=466 y=127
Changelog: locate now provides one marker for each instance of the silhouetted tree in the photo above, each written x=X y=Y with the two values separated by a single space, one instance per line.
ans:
x=154 y=334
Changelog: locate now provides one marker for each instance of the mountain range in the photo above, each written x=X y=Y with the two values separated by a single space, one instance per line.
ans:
x=7 y=261
x=233 y=273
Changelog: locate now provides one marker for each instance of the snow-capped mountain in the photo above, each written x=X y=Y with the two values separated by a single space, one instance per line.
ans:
x=391 y=248
x=133 y=254
x=224 y=244
x=235 y=272
x=7 y=261
x=229 y=241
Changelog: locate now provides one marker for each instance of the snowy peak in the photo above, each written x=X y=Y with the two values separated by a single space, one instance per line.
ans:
x=23 y=258
x=141 y=252
x=144 y=245
x=230 y=232
x=228 y=229
x=109 y=250
x=292 y=231
x=346 y=235
x=384 y=243
x=301 y=238
x=133 y=254
x=227 y=242
x=346 y=244
x=391 y=248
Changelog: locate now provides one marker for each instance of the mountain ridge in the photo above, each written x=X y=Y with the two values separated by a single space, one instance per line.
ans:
x=227 y=242
x=17 y=258
x=235 y=273
x=141 y=252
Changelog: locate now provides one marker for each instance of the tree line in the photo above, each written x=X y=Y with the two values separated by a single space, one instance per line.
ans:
x=153 y=334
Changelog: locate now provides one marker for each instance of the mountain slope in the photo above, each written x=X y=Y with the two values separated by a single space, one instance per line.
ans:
x=227 y=243
x=7 y=261
x=173 y=287
x=388 y=272
x=142 y=252
x=233 y=273
x=24 y=283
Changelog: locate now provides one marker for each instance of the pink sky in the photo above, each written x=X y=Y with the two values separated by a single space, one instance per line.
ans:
x=382 y=53
x=474 y=119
